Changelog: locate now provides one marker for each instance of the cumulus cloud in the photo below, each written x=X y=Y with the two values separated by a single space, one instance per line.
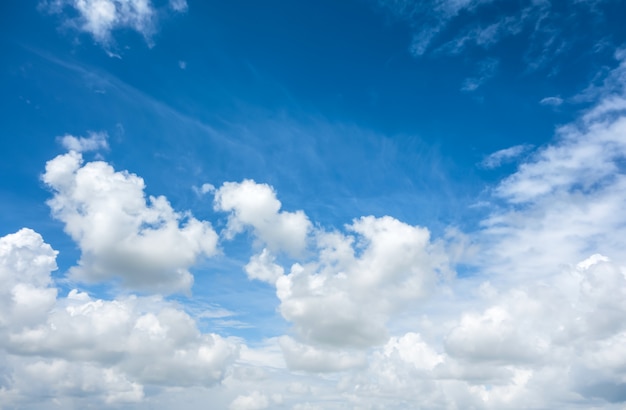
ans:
x=147 y=245
x=255 y=205
x=345 y=297
x=78 y=345
x=100 y=18
x=263 y=267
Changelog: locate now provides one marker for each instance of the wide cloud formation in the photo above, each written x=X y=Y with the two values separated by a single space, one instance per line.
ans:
x=378 y=318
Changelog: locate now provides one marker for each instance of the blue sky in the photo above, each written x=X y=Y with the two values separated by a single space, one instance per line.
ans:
x=312 y=204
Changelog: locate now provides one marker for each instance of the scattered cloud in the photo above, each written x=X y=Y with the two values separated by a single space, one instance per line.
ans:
x=100 y=18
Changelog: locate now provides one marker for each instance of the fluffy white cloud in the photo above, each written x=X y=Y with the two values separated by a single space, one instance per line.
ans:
x=147 y=245
x=255 y=205
x=100 y=18
x=263 y=267
x=78 y=345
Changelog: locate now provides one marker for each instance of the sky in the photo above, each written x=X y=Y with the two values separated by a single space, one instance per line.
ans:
x=357 y=204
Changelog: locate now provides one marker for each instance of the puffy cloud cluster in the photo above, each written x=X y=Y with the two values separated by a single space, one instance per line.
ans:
x=100 y=18
x=148 y=246
x=77 y=345
x=343 y=296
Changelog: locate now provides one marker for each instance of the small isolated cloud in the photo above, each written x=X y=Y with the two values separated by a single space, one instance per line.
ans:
x=100 y=18
x=504 y=155
x=179 y=5
x=182 y=64
x=94 y=142
x=146 y=244
x=551 y=101
x=262 y=267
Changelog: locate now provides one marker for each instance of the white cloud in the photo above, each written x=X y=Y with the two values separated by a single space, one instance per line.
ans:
x=95 y=142
x=552 y=101
x=497 y=158
x=77 y=345
x=255 y=205
x=252 y=401
x=147 y=245
x=179 y=5
x=309 y=358
x=100 y=18
x=345 y=298
x=263 y=268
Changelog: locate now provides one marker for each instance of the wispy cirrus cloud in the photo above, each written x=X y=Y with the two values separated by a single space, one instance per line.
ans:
x=451 y=27
x=497 y=158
